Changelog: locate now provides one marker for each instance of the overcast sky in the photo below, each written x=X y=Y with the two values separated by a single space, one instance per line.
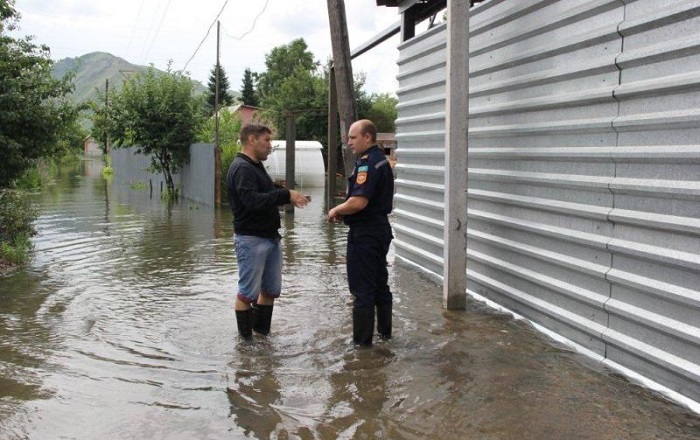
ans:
x=155 y=31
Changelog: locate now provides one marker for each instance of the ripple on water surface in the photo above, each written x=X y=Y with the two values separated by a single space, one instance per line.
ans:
x=123 y=328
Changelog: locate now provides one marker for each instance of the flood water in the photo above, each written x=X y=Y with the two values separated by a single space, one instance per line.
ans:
x=122 y=327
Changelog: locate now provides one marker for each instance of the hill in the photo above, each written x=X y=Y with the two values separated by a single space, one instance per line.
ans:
x=91 y=71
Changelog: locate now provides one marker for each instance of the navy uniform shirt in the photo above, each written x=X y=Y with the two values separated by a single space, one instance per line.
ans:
x=374 y=179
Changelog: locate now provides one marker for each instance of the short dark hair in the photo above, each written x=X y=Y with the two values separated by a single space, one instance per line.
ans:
x=367 y=127
x=255 y=129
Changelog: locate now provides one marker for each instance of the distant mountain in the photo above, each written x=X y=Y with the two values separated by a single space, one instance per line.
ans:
x=91 y=71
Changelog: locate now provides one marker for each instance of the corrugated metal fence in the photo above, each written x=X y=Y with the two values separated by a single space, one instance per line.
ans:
x=584 y=172
x=196 y=180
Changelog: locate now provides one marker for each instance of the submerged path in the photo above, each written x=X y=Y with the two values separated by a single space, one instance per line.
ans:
x=123 y=328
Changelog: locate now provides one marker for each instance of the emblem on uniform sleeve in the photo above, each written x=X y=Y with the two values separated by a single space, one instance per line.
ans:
x=362 y=174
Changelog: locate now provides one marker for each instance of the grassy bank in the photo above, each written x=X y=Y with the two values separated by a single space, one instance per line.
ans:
x=17 y=216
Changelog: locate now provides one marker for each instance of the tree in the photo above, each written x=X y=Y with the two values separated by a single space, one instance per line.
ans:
x=282 y=62
x=248 y=95
x=158 y=114
x=382 y=112
x=294 y=83
x=35 y=113
x=36 y=109
x=225 y=98
x=229 y=127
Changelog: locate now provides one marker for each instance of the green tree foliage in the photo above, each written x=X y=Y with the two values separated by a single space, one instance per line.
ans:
x=158 y=114
x=294 y=83
x=35 y=108
x=382 y=111
x=282 y=62
x=248 y=95
x=225 y=98
x=229 y=127
x=7 y=13
x=16 y=226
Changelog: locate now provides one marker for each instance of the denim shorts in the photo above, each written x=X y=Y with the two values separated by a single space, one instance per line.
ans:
x=259 y=267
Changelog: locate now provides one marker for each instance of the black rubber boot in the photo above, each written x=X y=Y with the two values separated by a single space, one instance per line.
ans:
x=362 y=326
x=244 y=319
x=384 y=321
x=262 y=316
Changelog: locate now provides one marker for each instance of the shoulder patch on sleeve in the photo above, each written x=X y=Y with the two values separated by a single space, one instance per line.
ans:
x=361 y=177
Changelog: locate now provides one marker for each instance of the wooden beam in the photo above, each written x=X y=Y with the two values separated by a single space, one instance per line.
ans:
x=332 y=156
x=290 y=159
x=347 y=106
x=408 y=26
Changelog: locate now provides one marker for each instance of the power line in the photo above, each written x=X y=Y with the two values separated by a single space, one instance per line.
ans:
x=150 y=29
x=160 y=24
x=207 y=34
x=133 y=31
x=255 y=21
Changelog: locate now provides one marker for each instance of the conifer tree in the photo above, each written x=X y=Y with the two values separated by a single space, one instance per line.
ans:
x=225 y=98
x=248 y=95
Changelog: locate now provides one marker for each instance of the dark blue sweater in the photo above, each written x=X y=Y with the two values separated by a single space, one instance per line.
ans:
x=254 y=198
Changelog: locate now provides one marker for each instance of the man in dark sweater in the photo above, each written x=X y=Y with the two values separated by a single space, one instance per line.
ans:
x=254 y=200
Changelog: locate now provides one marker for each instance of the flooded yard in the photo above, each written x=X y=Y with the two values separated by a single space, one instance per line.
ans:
x=122 y=327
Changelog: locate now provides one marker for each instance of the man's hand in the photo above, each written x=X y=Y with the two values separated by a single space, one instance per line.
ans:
x=298 y=199
x=351 y=206
x=333 y=216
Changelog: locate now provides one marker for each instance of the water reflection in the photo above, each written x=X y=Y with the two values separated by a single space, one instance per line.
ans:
x=123 y=328
x=255 y=391
x=359 y=395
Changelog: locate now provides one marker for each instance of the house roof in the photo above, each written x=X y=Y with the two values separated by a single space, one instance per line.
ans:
x=235 y=108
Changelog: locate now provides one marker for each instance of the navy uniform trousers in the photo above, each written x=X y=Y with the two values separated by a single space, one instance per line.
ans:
x=367 y=266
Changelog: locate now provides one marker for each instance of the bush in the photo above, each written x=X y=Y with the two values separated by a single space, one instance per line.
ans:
x=38 y=175
x=107 y=170
x=16 y=226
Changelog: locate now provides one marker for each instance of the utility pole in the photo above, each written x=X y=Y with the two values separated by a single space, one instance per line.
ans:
x=217 y=147
x=290 y=158
x=342 y=64
x=332 y=136
x=105 y=147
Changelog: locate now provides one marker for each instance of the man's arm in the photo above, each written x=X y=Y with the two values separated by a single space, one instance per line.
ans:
x=245 y=181
x=351 y=206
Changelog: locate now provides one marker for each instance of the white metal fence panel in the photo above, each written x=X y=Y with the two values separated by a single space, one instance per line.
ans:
x=583 y=198
x=132 y=169
x=420 y=168
x=196 y=180
x=198 y=177
x=655 y=298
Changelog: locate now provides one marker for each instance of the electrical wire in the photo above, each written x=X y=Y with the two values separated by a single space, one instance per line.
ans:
x=148 y=34
x=207 y=35
x=133 y=31
x=160 y=24
x=255 y=21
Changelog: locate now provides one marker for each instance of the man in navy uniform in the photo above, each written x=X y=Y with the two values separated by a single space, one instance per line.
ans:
x=368 y=201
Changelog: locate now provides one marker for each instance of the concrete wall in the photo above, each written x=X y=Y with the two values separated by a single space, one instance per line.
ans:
x=584 y=170
x=196 y=180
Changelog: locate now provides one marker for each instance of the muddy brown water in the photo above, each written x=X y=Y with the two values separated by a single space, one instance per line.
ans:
x=122 y=327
